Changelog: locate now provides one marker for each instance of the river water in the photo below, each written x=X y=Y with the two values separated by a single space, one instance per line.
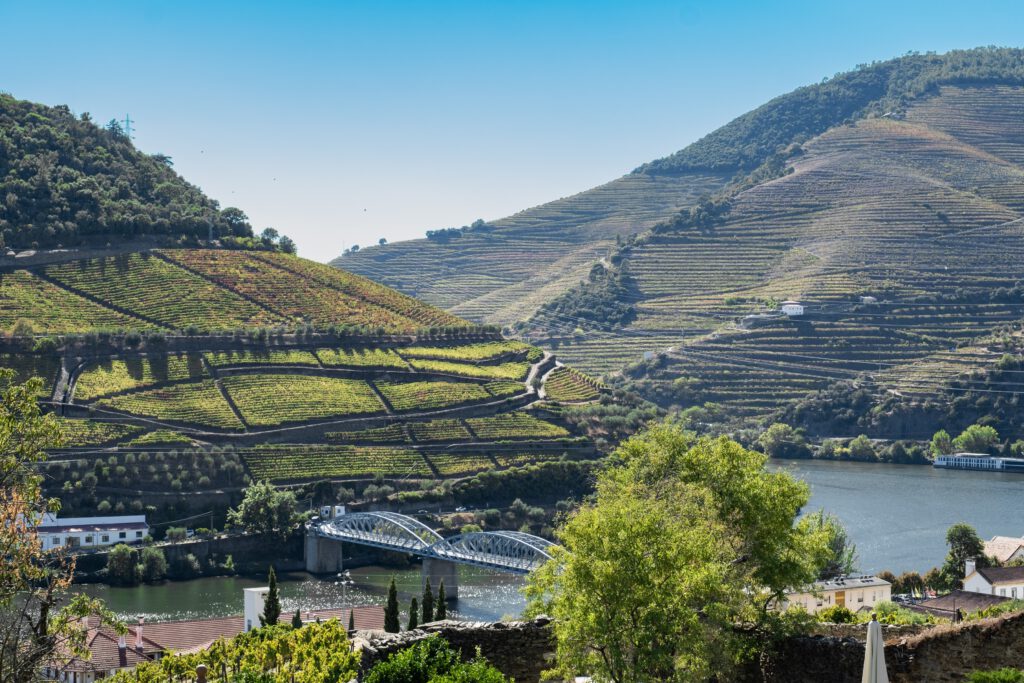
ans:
x=896 y=514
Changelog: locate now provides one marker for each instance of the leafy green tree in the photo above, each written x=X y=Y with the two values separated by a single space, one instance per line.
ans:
x=782 y=441
x=441 y=613
x=942 y=444
x=272 y=605
x=842 y=551
x=267 y=511
x=414 y=610
x=391 y=624
x=976 y=439
x=121 y=563
x=428 y=602
x=685 y=539
x=286 y=244
x=861 y=448
x=153 y=564
x=964 y=544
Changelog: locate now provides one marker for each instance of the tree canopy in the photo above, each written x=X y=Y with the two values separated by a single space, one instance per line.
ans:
x=685 y=539
x=266 y=510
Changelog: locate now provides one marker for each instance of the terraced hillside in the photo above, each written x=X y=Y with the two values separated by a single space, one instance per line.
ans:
x=180 y=375
x=922 y=213
x=502 y=272
x=292 y=417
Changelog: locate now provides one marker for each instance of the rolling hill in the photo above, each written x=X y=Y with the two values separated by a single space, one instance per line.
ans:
x=887 y=200
x=179 y=375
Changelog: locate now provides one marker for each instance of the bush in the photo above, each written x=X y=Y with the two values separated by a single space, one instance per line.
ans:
x=433 y=661
x=837 y=614
x=892 y=614
x=1006 y=675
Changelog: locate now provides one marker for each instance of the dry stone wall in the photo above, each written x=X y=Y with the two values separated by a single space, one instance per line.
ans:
x=519 y=649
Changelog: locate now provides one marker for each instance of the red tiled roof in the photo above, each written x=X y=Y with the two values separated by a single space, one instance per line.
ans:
x=189 y=636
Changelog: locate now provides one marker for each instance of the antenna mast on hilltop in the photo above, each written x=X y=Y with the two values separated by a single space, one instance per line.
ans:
x=128 y=126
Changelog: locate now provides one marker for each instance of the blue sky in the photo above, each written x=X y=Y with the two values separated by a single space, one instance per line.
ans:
x=344 y=122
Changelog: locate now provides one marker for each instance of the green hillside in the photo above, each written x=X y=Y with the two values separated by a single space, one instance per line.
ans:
x=900 y=181
x=65 y=181
x=180 y=375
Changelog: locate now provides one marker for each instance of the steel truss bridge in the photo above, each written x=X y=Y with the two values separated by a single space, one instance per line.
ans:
x=509 y=551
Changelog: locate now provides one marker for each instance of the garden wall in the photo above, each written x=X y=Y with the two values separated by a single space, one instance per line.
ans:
x=519 y=649
x=938 y=655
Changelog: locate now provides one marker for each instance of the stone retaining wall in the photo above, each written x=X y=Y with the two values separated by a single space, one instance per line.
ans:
x=941 y=654
x=519 y=649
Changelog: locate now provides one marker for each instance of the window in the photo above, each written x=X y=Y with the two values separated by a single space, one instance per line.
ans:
x=1013 y=592
x=1002 y=591
x=138 y=534
x=105 y=538
x=88 y=540
x=122 y=534
x=860 y=597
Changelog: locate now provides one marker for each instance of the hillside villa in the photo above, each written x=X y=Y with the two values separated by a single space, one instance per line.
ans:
x=1002 y=581
x=856 y=593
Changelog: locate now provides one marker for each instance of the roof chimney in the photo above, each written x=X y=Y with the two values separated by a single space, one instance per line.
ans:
x=969 y=567
x=138 y=635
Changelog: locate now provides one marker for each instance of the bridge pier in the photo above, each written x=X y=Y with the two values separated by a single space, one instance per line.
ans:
x=438 y=571
x=323 y=555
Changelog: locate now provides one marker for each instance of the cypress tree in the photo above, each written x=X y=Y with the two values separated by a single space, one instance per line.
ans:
x=351 y=620
x=442 y=607
x=428 y=603
x=272 y=606
x=296 y=620
x=413 y=613
x=391 y=624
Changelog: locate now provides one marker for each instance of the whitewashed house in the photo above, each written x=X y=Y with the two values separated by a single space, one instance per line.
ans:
x=1005 y=549
x=1006 y=582
x=792 y=308
x=90 y=532
x=855 y=593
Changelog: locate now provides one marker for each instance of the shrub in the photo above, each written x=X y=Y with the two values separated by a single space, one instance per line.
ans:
x=433 y=661
x=837 y=614
x=1006 y=675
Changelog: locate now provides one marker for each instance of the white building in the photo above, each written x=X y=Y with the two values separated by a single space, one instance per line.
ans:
x=855 y=593
x=792 y=308
x=91 y=532
x=1006 y=582
x=1005 y=549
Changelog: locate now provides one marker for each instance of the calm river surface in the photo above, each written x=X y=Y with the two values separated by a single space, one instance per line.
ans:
x=897 y=515
x=483 y=595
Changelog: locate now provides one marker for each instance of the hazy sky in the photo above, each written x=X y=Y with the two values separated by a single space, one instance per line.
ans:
x=344 y=122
